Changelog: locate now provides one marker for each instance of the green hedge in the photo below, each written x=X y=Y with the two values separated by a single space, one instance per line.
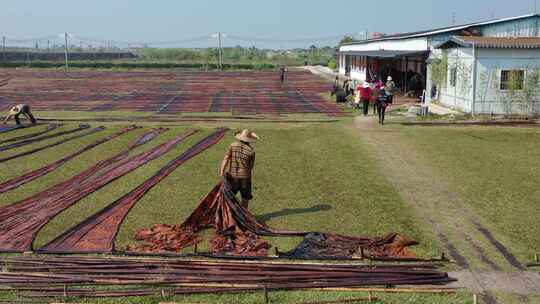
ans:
x=134 y=65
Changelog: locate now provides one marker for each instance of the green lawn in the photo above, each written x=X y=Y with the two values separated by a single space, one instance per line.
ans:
x=308 y=177
x=314 y=178
x=495 y=171
x=281 y=297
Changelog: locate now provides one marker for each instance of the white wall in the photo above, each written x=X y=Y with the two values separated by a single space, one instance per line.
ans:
x=359 y=74
x=489 y=98
x=413 y=44
x=460 y=95
x=341 y=67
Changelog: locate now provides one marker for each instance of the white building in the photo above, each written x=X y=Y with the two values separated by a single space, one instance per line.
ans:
x=489 y=75
x=478 y=57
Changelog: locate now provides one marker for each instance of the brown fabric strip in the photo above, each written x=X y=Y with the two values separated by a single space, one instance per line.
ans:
x=20 y=222
x=50 y=127
x=238 y=233
x=32 y=175
x=98 y=232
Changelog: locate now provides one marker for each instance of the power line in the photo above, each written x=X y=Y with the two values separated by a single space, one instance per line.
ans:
x=175 y=42
x=260 y=39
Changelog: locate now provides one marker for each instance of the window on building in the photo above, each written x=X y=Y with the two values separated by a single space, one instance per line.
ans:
x=453 y=77
x=512 y=80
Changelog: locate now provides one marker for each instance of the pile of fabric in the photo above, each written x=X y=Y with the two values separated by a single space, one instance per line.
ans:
x=238 y=233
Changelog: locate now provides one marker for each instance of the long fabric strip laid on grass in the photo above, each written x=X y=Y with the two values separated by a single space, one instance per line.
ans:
x=62 y=141
x=42 y=138
x=242 y=92
x=238 y=233
x=32 y=175
x=8 y=128
x=97 y=233
x=50 y=127
x=20 y=222
x=4 y=82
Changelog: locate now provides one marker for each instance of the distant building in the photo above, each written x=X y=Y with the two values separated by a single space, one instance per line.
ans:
x=476 y=67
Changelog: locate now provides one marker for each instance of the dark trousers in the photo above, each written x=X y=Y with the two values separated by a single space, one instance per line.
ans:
x=365 y=103
x=27 y=113
x=374 y=108
x=381 y=111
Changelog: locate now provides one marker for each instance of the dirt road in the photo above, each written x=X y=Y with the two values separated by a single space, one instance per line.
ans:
x=488 y=267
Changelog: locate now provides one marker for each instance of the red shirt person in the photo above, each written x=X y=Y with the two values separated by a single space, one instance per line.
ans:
x=366 y=93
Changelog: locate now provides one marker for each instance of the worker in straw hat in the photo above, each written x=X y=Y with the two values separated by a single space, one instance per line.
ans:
x=238 y=163
x=390 y=89
x=17 y=110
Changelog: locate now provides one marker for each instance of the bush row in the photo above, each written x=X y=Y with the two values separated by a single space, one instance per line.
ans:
x=134 y=65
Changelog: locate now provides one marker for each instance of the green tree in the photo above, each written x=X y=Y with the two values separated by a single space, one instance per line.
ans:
x=346 y=39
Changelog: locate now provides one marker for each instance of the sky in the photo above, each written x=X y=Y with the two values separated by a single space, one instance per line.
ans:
x=279 y=24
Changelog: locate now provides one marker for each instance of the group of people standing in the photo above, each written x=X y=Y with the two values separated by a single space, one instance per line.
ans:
x=380 y=94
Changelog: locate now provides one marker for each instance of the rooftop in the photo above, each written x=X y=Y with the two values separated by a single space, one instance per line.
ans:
x=493 y=42
x=441 y=30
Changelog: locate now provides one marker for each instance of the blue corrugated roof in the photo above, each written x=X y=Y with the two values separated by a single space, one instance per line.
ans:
x=442 y=30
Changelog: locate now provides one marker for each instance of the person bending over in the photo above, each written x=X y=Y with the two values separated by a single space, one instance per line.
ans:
x=17 y=110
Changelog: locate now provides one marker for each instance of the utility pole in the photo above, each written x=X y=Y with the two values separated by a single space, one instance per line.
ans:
x=66 y=49
x=454 y=18
x=220 y=52
x=48 y=45
x=4 y=48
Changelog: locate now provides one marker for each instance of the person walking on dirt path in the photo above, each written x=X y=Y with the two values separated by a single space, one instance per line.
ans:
x=238 y=164
x=336 y=82
x=282 y=71
x=16 y=111
x=381 y=103
x=390 y=89
x=374 y=96
x=365 y=96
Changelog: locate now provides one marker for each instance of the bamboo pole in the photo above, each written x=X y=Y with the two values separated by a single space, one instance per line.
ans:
x=339 y=301
x=334 y=289
x=390 y=290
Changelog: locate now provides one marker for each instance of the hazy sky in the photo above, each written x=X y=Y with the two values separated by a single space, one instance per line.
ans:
x=167 y=20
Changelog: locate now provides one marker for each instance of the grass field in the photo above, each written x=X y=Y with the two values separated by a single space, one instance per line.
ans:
x=327 y=182
x=495 y=171
x=314 y=177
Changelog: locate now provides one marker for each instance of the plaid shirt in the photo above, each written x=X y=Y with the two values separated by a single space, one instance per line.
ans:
x=17 y=109
x=241 y=160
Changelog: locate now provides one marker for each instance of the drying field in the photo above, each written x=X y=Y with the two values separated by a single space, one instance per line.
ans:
x=90 y=187
x=318 y=195
x=312 y=196
x=168 y=92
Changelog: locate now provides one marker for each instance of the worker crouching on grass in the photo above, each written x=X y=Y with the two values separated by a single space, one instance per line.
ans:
x=17 y=110
x=238 y=164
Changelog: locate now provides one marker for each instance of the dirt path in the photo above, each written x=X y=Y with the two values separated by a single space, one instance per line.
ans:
x=487 y=265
